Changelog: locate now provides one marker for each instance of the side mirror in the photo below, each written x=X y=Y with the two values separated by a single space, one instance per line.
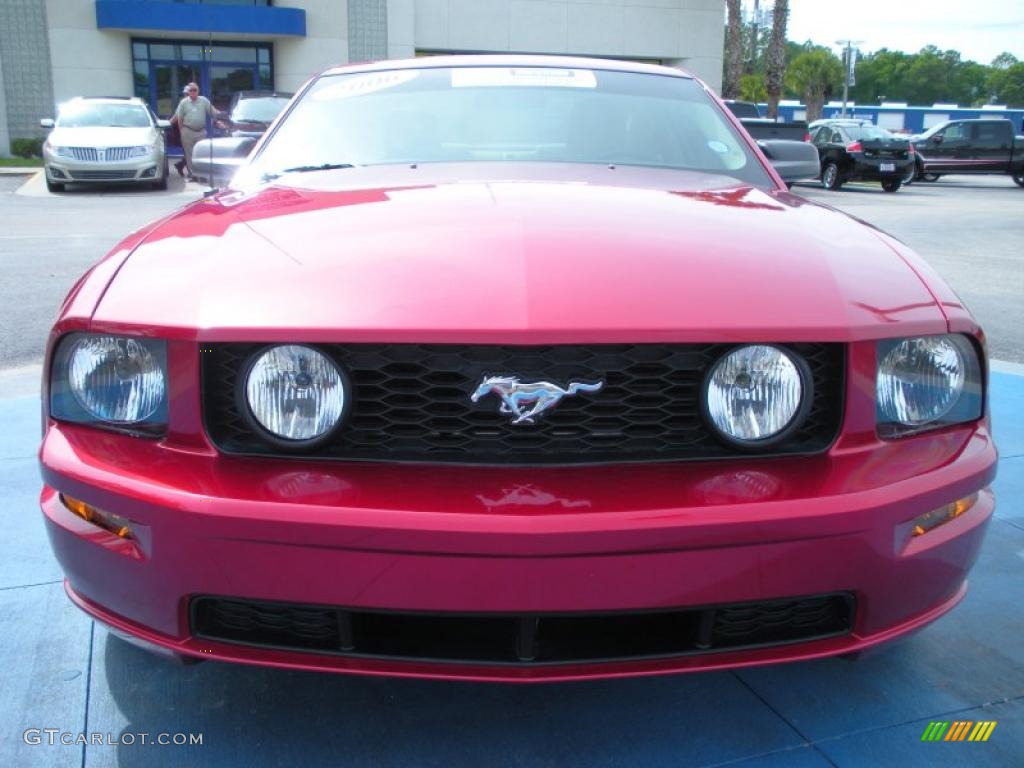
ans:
x=163 y=125
x=792 y=160
x=217 y=159
x=937 y=138
x=46 y=122
x=245 y=145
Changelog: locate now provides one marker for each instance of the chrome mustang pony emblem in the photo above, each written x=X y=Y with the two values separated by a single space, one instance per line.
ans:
x=527 y=401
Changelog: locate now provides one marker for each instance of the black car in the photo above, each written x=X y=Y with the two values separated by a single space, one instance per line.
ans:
x=251 y=112
x=856 y=150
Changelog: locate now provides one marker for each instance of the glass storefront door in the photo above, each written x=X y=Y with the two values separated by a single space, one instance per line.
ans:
x=163 y=67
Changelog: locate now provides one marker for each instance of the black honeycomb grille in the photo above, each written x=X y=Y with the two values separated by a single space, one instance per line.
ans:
x=522 y=639
x=411 y=402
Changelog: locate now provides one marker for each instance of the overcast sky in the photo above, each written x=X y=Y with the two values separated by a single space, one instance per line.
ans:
x=979 y=29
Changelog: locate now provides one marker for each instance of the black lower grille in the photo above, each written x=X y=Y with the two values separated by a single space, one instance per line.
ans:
x=411 y=402
x=521 y=639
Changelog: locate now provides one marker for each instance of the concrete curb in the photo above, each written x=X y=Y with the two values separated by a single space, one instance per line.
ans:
x=20 y=171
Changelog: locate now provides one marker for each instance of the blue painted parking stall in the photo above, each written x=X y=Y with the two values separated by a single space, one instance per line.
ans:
x=106 y=702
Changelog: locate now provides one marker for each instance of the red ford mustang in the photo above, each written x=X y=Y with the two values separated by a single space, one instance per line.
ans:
x=513 y=368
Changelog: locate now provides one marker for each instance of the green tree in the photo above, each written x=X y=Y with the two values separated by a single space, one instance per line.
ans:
x=814 y=74
x=1004 y=60
x=1007 y=85
x=752 y=88
x=881 y=76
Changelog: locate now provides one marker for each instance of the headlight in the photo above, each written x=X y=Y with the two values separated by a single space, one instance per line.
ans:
x=295 y=393
x=927 y=382
x=757 y=394
x=114 y=380
x=140 y=151
x=62 y=151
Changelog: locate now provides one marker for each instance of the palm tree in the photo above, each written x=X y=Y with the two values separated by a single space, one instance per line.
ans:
x=814 y=73
x=776 y=56
x=733 y=50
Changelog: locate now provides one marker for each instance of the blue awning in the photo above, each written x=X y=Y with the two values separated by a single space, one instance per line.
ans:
x=208 y=18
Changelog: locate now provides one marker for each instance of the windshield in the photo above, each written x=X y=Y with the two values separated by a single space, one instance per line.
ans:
x=530 y=114
x=103 y=116
x=867 y=131
x=262 y=110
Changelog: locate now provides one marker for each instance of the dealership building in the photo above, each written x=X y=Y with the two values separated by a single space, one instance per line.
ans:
x=53 y=50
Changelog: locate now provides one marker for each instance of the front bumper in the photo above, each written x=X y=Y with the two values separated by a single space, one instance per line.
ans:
x=63 y=170
x=485 y=540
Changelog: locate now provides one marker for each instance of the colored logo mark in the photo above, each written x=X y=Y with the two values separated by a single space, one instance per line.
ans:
x=959 y=730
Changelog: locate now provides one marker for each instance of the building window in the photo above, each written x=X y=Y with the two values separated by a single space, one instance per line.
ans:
x=163 y=67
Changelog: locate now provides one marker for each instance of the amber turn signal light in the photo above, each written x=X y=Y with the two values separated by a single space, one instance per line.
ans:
x=108 y=521
x=937 y=517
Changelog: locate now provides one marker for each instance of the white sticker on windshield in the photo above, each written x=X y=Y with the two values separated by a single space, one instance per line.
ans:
x=719 y=147
x=358 y=85
x=537 y=77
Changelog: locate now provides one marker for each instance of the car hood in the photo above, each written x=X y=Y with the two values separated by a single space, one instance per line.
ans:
x=101 y=137
x=515 y=255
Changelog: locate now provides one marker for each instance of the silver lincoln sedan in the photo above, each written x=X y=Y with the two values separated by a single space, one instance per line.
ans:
x=105 y=140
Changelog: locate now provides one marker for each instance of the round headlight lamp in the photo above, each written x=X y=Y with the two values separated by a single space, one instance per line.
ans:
x=920 y=380
x=116 y=379
x=756 y=394
x=296 y=394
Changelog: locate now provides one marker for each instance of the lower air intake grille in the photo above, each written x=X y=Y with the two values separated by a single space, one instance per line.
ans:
x=518 y=639
x=101 y=175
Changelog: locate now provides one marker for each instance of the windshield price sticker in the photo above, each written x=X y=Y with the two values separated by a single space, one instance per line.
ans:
x=359 y=85
x=537 y=77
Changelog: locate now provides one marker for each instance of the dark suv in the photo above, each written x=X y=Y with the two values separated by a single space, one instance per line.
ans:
x=986 y=145
x=251 y=112
x=857 y=150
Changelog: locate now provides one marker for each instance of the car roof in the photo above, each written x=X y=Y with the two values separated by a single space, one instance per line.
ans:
x=510 y=60
x=261 y=95
x=132 y=100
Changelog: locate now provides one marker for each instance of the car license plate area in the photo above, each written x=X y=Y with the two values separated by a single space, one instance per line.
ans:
x=887 y=167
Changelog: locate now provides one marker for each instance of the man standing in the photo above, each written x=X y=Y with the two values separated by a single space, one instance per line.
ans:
x=191 y=115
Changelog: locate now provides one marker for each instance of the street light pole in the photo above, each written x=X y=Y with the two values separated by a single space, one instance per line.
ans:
x=848 y=60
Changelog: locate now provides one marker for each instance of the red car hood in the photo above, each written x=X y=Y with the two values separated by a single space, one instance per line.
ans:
x=519 y=256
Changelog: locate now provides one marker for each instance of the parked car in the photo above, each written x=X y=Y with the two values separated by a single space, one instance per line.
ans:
x=970 y=146
x=109 y=140
x=513 y=368
x=743 y=109
x=776 y=138
x=250 y=113
x=856 y=150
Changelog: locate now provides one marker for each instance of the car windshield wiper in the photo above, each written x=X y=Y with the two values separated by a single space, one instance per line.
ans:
x=270 y=176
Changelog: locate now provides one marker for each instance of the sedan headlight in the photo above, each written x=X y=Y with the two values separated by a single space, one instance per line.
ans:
x=141 y=151
x=296 y=394
x=62 y=151
x=757 y=394
x=117 y=381
x=927 y=382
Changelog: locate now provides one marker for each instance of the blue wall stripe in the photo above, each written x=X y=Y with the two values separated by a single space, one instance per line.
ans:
x=206 y=17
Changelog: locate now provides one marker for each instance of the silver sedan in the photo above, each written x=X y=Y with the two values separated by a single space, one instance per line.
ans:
x=108 y=140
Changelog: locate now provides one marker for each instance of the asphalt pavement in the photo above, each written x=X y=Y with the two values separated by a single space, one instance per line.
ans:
x=968 y=228
x=48 y=241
